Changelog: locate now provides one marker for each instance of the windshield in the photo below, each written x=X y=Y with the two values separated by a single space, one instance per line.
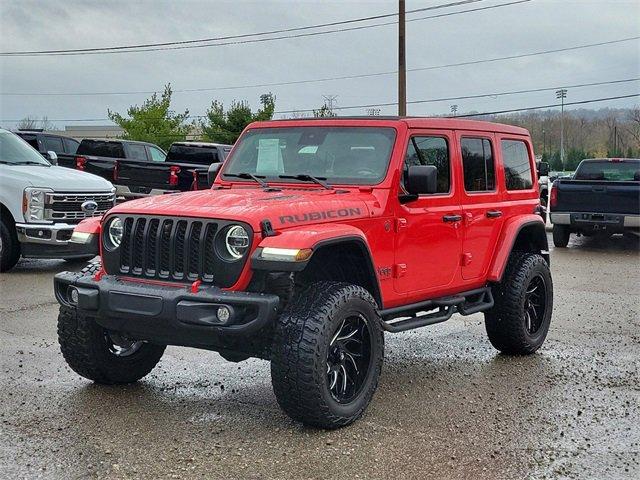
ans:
x=342 y=155
x=15 y=151
x=620 y=171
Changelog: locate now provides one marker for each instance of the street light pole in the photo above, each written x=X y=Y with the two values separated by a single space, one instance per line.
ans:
x=561 y=94
x=402 y=67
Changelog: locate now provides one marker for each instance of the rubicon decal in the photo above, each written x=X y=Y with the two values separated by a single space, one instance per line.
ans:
x=322 y=215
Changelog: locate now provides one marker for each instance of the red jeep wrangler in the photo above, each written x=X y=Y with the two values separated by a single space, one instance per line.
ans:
x=316 y=237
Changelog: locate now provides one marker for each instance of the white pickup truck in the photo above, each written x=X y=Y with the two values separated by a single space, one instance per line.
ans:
x=40 y=204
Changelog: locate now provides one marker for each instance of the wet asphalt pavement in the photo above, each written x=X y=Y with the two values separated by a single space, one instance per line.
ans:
x=448 y=405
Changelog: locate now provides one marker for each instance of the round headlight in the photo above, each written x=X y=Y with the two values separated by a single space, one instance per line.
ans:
x=114 y=232
x=236 y=242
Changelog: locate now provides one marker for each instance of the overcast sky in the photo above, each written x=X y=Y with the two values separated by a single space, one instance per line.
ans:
x=522 y=28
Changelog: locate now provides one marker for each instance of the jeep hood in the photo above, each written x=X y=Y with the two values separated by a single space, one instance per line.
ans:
x=285 y=208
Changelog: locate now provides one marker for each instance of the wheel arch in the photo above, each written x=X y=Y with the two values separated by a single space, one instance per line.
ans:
x=526 y=234
x=6 y=213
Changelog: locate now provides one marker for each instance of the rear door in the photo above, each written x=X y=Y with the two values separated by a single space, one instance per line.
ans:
x=144 y=169
x=481 y=201
x=429 y=233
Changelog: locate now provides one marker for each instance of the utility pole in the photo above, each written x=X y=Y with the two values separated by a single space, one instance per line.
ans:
x=402 y=66
x=329 y=101
x=561 y=94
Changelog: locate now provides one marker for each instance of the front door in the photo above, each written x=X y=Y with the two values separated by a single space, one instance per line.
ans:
x=429 y=229
x=480 y=199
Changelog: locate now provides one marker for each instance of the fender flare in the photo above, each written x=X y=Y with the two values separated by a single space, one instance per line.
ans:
x=508 y=237
x=315 y=237
x=92 y=226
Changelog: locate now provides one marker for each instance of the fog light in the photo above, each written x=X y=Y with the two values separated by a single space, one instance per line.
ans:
x=224 y=314
x=73 y=295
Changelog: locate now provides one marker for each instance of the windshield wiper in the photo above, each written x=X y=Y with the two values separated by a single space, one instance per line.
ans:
x=23 y=163
x=256 y=178
x=309 y=178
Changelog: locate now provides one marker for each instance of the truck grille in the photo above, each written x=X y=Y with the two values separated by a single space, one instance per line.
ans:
x=68 y=206
x=174 y=249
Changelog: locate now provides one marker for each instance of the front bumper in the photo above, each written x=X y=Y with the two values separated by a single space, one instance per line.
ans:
x=54 y=240
x=613 y=222
x=163 y=313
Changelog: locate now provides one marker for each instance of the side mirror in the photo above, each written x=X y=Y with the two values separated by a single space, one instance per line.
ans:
x=212 y=172
x=421 y=179
x=53 y=157
x=543 y=169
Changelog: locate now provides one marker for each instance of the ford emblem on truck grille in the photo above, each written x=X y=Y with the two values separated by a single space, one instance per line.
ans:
x=89 y=206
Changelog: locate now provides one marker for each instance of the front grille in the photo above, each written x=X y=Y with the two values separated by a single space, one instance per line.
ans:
x=173 y=249
x=68 y=206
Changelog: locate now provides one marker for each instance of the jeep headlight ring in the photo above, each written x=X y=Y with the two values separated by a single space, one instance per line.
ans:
x=235 y=243
x=114 y=233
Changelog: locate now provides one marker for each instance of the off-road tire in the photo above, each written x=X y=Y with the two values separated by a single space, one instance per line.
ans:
x=505 y=322
x=561 y=235
x=10 y=250
x=299 y=354
x=84 y=346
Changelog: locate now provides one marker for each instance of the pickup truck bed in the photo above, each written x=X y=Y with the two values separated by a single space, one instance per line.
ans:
x=602 y=197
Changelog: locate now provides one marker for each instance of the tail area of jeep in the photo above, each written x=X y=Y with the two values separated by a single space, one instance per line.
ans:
x=316 y=238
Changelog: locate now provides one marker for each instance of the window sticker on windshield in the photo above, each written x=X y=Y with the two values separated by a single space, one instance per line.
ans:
x=269 y=157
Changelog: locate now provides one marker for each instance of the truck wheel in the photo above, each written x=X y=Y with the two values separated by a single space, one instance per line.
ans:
x=519 y=321
x=9 y=246
x=100 y=355
x=561 y=234
x=327 y=355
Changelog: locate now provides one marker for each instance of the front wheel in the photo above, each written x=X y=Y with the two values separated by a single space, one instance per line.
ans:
x=9 y=246
x=519 y=321
x=327 y=355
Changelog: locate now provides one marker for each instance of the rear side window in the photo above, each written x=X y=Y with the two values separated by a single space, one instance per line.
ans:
x=100 y=148
x=31 y=140
x=478 y=165
x=189 y=154
x=157 y=155
x=137 y=152
x=71 y=146
x=517 y=165
x=430 y=151
x=53 y=144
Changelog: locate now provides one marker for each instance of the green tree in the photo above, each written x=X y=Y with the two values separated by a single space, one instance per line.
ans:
x=154 y=121
x=554 y=161
x=225 y=127
x=323 y=111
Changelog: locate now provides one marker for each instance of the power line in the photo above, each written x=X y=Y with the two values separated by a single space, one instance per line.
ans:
x=343 y=77
x=431 y=100
x=261 y=40
x=552 y=105
x=234 y=37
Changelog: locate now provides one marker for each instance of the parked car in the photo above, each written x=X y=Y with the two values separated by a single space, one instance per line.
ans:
x=40 y=204
x=317 y=237
x=603 y=196
x=185 y=168
x=46 y=142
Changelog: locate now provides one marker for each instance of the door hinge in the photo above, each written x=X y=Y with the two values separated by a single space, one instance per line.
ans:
x=401 y=224
x=399 y=269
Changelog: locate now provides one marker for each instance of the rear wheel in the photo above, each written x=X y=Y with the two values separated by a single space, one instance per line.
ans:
x=519 y=321
x=327 y=355
x=9 y=246
x=99 y=354
x=561 y=234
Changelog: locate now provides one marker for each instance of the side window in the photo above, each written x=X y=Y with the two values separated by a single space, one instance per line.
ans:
x=431 y=151
x=137 y=152
x=53 y=143
x=71 y=145
x=156 y=154
x=517 y=166
x=477 y=164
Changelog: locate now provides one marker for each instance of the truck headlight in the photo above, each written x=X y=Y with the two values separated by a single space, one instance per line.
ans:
x=33 y=203
x=114 y=232
x=235 y=243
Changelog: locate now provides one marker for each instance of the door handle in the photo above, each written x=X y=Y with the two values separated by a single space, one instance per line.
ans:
x=451 y=218
x=494 y=213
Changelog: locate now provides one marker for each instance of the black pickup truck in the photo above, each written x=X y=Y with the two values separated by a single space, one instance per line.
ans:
x=47 y=142
x=602 y=197
x=185 y=168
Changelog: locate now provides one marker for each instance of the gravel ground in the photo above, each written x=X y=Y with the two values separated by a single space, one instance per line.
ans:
x=448 y=406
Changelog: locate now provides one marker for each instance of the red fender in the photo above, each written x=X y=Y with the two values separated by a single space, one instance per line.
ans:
x=507 y=239
x=89 y=225
x=311 y=235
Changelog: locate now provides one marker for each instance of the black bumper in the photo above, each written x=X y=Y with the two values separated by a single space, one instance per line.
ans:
x=166 y=314
x=68 y=250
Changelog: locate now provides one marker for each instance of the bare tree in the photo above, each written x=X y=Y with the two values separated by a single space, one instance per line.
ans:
x=29 y=123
